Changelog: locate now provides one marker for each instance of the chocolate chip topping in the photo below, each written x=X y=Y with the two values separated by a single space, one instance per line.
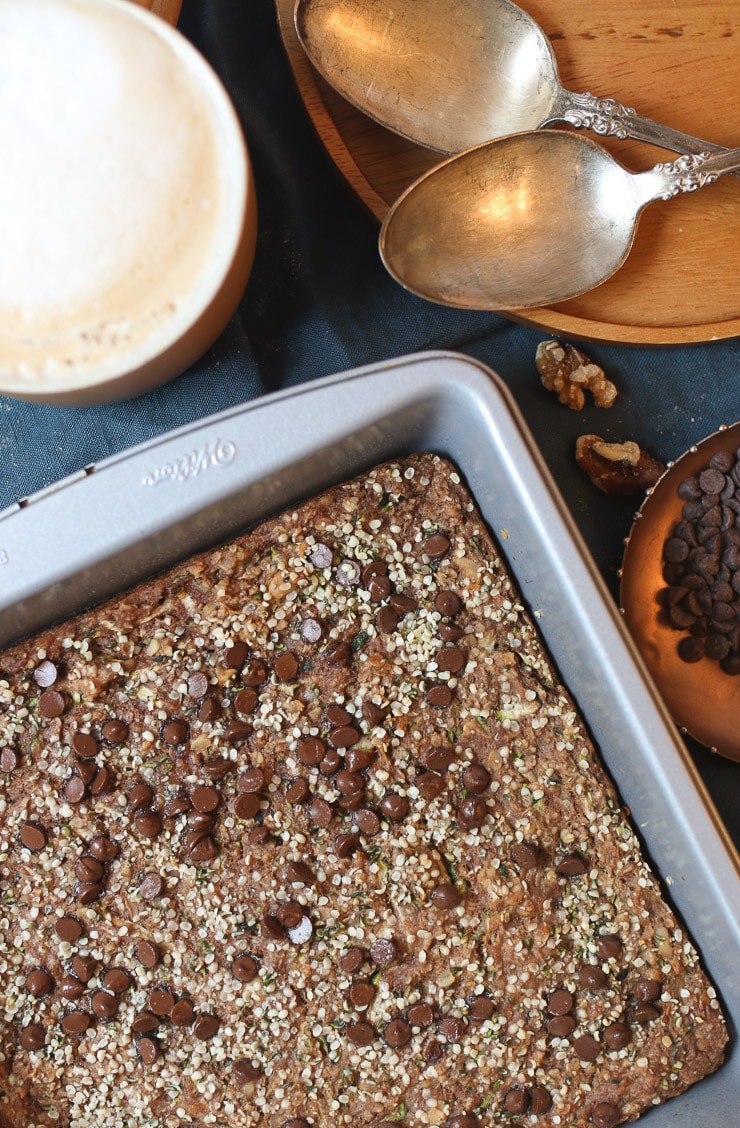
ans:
x=439 y=696
x=39 y=982
x=448 y=603
x=383 y=951
x=197 y=685
x=148 y=824
x=560 y=1002
x=430 y=785
x=75 y=790
x=104 y=1005
x=89 y=869
x=344 y=737
x=84 y=968
x=397 y=1033
x=644 y=1013
x=476 y=778
x=609 y=946
x=437 y=545
x=360 y=1033
x=33 y=1036
x=68 y=928
x=310 y=750
x=321 y=812
x=244 y=968
x=71 y=989
x=593 y=977
x=421 y=1015
x=298 y=792
x=51 y=704
x=246 y=806
x=453 y=1029
x=540 y=1100
x=151 y=886
x=516 y=1101
x=103 y=848
x=145 y=1023
x=206 y=1027
x=9 y=759
x=472 y=812
x=33 y=836
x=183 y=1013
x=445 y=896
x=347 y=573
x=450 y=659
x=244 y=1071
x=205 y=799
x=339 y=654
x=75 y=1023
x=147 y=953
x=617 y=1035
x=246 y=701
x=394 y=806
x=587 y=1048
x=175 y=733
x=463 y=1120
x=114 y=731
x=352 y=961
x=480 y=1008
x=286 y=667
x=45 y=674
x=572 y=865
x=235 y=655
x=367 y=822
x=605 y=1115
x=386 y=620
x=561 y=1026
x=646 y=989
x=117 y=980
x=373 y=714
x=161 y=1001
x=526 y=856
x=85 y=745
x=148 y=1049
x=361 y=994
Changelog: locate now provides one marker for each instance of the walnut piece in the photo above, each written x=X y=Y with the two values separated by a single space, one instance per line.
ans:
x=567 y=371
x=617 y=468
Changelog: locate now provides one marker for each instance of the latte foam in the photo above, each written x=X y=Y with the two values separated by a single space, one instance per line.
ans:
x=113 y=186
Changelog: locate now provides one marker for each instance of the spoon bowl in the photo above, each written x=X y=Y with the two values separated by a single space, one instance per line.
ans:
x=526 y=220
x=451 y=74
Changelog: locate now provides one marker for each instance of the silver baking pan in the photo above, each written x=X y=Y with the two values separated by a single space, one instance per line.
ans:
x=126 y=517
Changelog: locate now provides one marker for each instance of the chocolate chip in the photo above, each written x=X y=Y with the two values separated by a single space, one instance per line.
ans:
x=199 y=846
x=114 y=731
x=445 y=896
x=145 y=1023
x=430 y=785
x=298 y=873
x=609 y=946
x=148 y=1049
x=645 y=1013
x=151 y=886
x=403 y=604
x=71 y=989
x=246 y=701
x=290 y=913
x=103 y=1005
x=197 y=685
x=237 y=730
x=32 y=836
x=367 y=822
x=88 y=869
x=103 y=848
x=561 y=1026
x=344 y=737
x=117 y=980
x=472 y=812
x=480 y=1008
x=434 y=1051
x=175 y=733
x=540 y=1100
x=360 y=1033
x=75 y=1023
x=271 y=928
x=361 y=994
x=587 y=1048
x=45 y=674
x=339 y=654
x=451 y=659
x=298 y=792
x=103 y=781
x=647 y=989
x=463 y=1120
x=572 y=865
x=310 y=750
x=383 y=951
x=386 y=620
x=560 y=1002
x=439 y=696
x=206 y=1027
x=347 y=844
x=605 y=1115
x=437 y=546
x=617 y=1035
x=84 y=968
x=286 y=667
x=394 y=806
x=244 y=968
x=148 y=824
x=147 y=953
x=68 y=928
x=311 y=630
x=208 y=710
x=453 y=1029
x=448 y=603
x=320 y=812
x=205 y=799
x=9 y=759
x=297 y=1122
x=33 y=1036
x=373 y=714
x=379 y=588
x=183 y=1013
x=450 y=633
x=86 y=893
x=352 y=961
x=75 y=789
x=254 y=673
x=476 y=778
x=349 y=783
x=592 y=977
x=244 y=1071
x=161 y=1001
x=516 y=1101
x=526 y=856
x=217 y=767
x=397 y=1033
x=140 y=796
x=51 y=704
x=247 y=806
x=235 y=655
x=39 y=982
x=438 y=759
x=331 y=762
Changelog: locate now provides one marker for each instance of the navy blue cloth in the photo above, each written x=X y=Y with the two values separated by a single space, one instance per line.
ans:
x=319 y=301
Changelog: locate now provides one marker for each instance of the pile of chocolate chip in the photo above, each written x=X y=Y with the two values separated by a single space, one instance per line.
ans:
x=702 y=564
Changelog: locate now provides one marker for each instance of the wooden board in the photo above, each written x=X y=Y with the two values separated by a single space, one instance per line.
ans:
x=676 y=61
x=168 y=9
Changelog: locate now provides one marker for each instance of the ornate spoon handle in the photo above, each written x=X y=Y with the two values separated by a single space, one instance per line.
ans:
x=686 y=174
x=610 y=118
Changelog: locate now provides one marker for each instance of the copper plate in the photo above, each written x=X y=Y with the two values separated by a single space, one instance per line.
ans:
x=676 y=62
x=704 y=701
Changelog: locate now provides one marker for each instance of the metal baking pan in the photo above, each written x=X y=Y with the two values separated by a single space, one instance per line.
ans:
x=131 y=515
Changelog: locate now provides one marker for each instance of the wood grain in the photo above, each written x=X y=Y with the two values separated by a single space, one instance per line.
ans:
x=168 y=9
x=677 y=61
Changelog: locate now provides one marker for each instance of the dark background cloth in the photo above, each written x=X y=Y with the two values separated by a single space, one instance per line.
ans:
x=319 y=301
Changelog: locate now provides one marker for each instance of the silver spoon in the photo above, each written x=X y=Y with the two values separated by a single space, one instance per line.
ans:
x=450 y=74
x=527 y=220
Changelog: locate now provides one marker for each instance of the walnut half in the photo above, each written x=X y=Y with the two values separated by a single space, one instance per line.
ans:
x=617 y=468
x=567 y=371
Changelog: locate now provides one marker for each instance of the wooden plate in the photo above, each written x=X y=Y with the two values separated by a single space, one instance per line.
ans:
x=675 y=62
x=168 y=9
x=704 y=701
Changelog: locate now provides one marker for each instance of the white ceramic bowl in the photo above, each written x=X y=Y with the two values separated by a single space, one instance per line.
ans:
x=127 y=204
